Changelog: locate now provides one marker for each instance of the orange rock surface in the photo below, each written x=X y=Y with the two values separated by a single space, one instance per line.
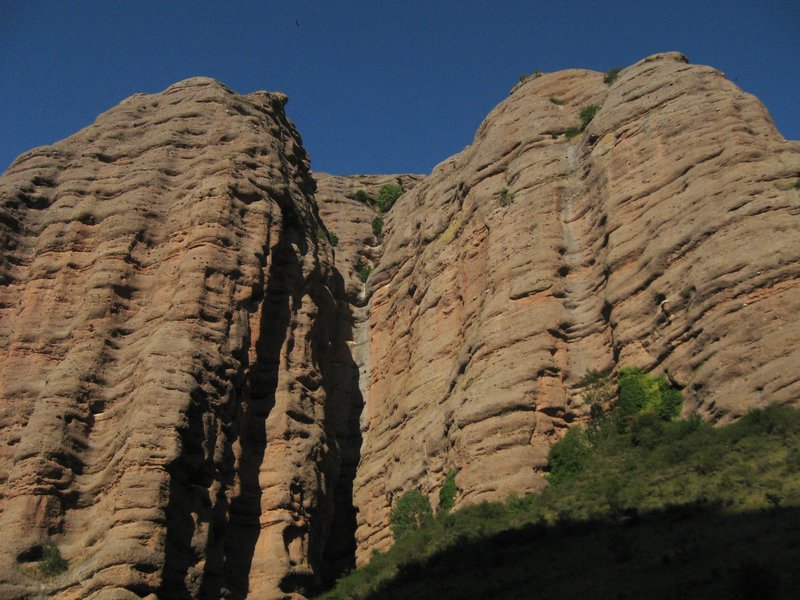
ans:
x=663 y=236
x=167 y=317
x=199 y=398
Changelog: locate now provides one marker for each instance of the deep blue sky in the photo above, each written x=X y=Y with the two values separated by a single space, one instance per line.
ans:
x=374 y=86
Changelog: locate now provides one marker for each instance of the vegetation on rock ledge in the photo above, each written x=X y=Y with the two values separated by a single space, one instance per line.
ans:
x=387 y=196
x=640 y=504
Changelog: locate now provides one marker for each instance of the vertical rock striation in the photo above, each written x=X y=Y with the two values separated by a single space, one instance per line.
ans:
x=351 y=221
x=663 y=236
x=169 y=328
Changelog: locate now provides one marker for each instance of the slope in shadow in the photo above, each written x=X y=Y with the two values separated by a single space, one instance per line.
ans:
x=343 y=422
x=690 y=551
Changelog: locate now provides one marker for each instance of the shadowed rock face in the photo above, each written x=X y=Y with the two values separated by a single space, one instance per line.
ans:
x=664 y=236
x=168 y=337
x=200 y=399
x=351 y=221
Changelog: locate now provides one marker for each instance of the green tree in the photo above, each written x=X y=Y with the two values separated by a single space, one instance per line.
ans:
x=377 y=226
x=387 y=196
x=363 y=270
x=52 y=563
x=447 y=495
x=411 y=512
x=362 y=196
x=569 y=455
x=640 y=392
x=587 y=114
x=611 y=76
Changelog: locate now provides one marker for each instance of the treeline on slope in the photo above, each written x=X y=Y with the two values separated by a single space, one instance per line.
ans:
x=653 y=494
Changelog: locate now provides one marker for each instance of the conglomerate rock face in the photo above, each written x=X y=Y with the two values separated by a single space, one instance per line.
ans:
x=350 y=219
x=664 y=236
x=200 y=399
x=168 y=337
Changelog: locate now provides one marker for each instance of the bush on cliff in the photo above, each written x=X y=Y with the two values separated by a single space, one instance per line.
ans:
x=411 y=512
x=587 y=114
x=363 y=270
x=448 y=493
x=387 y=196
x=611 y=76
x=52 y=563
x=569 y=456
x=377 y=226
x=640 y=393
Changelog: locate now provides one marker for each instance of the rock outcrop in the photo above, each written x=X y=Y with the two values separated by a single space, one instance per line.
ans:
x=199 y=397
x=350 y=219
x=168 y=343
x=664 y=236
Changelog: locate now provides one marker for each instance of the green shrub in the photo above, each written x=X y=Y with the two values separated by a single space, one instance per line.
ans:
x=447 y=495
x=592 y=377
x=587 y=114
x=52 y=563
x=362 y=196
x=640 y=392
x=647 y=430
x=692 y=465
x=387 y=196
x=505 y=198
x=377 y=226
x=611 y=76
x=569 y=455
x=321 y=233
x=572 y=132
x=411 y=512
x=363 y=270
x=557 y=102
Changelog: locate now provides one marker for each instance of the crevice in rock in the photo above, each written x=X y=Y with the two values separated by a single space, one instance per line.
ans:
x=256 y=402
x=343 y=420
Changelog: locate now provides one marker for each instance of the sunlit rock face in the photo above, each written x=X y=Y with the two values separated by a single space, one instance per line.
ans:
x=168 y=340
x=200 y=398
x=665 y=236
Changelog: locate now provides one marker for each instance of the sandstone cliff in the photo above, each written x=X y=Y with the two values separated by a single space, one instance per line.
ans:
x=199 y=398
x=663 y=236
x=168 y=337
x=351 y=220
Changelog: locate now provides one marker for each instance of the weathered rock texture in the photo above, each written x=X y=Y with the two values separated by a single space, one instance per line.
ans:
x=168 y=347
x=351 y=221
x=189 y=378
x=664 y=236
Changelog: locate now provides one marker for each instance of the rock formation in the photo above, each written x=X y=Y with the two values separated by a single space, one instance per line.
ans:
x=168 y=333
x=351 y=220
x=664 y=236
x=199 y=398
